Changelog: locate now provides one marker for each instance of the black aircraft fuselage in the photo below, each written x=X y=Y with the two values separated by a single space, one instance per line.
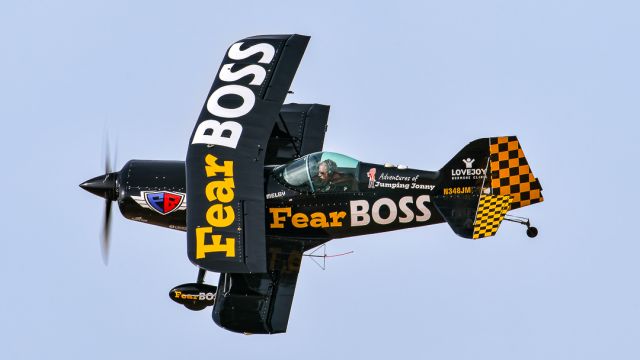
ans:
x=374 y=198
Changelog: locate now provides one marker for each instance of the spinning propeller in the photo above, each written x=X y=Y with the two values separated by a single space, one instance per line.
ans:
x=105 y=186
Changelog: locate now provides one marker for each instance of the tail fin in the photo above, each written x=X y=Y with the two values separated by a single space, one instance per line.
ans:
x=487 y=178
x=511 y=174
x=470 y=163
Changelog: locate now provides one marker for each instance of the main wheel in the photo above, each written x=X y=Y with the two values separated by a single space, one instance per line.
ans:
x=532 y=232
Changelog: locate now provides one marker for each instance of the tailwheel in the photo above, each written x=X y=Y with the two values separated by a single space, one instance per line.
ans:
x=532 y=231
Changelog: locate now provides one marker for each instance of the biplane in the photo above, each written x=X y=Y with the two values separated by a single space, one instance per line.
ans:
x=257 y=190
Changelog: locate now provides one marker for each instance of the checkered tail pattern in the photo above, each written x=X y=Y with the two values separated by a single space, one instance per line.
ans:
x=491 y=211
x=511 y=174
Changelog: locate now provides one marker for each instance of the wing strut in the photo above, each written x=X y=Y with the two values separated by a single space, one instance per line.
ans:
x=291 y=137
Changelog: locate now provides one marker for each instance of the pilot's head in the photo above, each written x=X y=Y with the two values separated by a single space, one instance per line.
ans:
x=326 y=169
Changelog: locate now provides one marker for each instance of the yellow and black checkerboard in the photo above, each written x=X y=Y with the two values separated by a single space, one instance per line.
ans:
x=510 y=172
x=491 y=211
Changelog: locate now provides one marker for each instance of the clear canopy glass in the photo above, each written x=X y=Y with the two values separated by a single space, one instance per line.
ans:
x=320 y=172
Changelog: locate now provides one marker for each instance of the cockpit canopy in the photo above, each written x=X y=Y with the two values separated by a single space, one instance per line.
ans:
x=320 y=172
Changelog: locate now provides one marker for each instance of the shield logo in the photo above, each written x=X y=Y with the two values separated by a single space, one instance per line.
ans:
x=163 y=202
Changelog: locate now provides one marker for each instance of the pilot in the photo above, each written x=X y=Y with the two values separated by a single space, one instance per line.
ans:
x=330 y=179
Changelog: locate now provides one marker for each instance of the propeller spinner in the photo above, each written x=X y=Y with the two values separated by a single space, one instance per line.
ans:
x=105 y=186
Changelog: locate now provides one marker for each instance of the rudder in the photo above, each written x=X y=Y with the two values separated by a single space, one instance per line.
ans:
x=511 y=174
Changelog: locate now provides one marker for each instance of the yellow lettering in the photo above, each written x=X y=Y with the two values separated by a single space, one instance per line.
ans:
x=178 y=293
x=318 y=220
x=336 y=217
x=213 y=169
x=220 y=190
x=300 y=220
x=220 y=216
x=277 y=222
x=202 y=249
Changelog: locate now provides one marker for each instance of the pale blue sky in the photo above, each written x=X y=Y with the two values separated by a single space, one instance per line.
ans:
x=408 y=82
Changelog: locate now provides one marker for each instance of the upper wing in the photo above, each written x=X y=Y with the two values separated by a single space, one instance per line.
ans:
x=299 y=130
x=225 y=159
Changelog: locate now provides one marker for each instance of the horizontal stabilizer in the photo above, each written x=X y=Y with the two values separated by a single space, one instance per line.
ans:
x=491 y=211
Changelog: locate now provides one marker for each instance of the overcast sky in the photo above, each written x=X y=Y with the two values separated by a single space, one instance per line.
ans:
x=408 y=82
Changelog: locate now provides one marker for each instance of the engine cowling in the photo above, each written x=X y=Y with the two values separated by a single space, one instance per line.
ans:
x=153 y=192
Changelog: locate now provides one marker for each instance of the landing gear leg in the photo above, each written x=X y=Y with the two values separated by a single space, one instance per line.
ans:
x=532 y=231
x=202 y=272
